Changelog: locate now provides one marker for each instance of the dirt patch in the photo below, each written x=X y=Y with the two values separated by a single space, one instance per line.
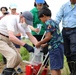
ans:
x=22 y=66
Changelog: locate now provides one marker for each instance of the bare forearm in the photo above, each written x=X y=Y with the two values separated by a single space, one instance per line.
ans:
x=33 y=40
x=32 y=28
x=45 y=40
x=16 y=41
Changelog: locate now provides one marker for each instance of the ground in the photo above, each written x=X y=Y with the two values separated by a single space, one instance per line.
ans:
x=65 y=70
x=22 y=66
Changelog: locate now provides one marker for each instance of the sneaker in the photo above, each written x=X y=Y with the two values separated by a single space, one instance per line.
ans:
x=19 y=70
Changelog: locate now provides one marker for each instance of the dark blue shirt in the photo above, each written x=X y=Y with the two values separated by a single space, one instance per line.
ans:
x=56 y=35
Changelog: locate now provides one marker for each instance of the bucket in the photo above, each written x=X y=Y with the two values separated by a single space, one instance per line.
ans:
x=36 y=57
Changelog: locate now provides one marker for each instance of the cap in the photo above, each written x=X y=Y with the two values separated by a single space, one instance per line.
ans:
x=28 y=16
x=39 y=1
x=13 y=6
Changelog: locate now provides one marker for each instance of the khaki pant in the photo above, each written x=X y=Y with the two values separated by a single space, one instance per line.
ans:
x=8 y=50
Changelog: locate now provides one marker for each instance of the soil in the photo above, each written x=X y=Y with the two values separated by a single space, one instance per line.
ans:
x=23 y=65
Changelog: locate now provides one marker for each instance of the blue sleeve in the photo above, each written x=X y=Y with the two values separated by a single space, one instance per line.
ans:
x=51 y=29
x=59 y=15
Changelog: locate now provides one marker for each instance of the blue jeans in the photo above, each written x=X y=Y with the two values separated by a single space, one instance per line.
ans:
x=69 y=37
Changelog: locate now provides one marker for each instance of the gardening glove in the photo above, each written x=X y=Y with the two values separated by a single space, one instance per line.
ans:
x=29 y=48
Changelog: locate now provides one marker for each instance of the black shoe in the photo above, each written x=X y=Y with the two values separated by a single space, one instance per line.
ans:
x=19 y=70
x=9 y=71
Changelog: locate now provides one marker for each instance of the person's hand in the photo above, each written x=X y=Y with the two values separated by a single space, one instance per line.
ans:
x=37 y=30
x=44 y=45
x=38 y=45
x=29 y=48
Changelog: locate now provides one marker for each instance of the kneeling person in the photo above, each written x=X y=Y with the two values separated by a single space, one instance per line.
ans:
x=10 y=25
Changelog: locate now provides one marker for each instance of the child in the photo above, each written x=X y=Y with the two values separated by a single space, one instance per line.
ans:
x=53 y=35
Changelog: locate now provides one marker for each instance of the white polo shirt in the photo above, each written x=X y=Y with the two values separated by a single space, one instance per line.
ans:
x=11 y=22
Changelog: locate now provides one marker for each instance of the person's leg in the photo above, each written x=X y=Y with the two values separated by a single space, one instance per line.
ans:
x=72 y=66
x=73 y=51
x=19 y=70
x=55 y=72
x=12 y=56
x=66 y=40
x=70 y=48
x=67 y=50
x=56 y=57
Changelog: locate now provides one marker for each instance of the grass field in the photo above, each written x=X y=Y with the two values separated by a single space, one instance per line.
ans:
x=65 y=70
x=25 y=56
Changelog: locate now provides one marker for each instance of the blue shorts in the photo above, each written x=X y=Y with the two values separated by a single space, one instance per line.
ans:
x=18 y=46
x=57 y=58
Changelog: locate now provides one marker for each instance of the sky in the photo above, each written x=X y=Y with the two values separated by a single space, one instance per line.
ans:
x=27 y=5
x=24 y=5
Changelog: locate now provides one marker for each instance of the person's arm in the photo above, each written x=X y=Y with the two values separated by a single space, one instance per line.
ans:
x=45 y=40
x=11 y=24
x=14 y=39
x=59 y=15
x=34 y=29
x=32 y=38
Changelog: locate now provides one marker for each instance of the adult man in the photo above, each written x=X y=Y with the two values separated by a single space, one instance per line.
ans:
x=10 y=25
x=67 y=14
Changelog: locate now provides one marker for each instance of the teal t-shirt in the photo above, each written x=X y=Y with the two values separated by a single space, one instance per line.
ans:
x=56 y=34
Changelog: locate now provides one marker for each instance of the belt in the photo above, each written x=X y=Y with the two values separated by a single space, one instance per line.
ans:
x=18 y=34
x=69 y=28
x=3 y=35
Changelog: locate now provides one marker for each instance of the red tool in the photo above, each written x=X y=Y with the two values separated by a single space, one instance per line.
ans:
x=33 y=70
